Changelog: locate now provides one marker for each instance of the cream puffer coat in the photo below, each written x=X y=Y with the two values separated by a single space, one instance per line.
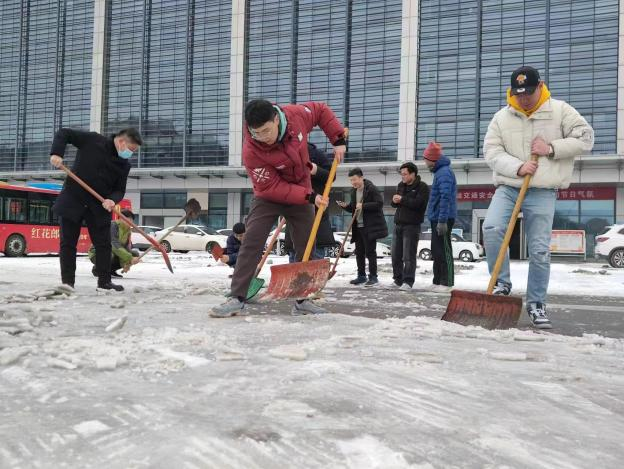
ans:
x=508 y=140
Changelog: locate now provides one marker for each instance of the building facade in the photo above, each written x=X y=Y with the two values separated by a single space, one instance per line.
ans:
x=398 y=73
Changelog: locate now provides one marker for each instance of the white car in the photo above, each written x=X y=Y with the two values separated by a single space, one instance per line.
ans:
x=138 y=240
x=610 y=245
x=383 y=250
x=225 y=231
x=191 y=238
x=463 y=250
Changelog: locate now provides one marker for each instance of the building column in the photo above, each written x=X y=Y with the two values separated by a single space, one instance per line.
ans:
x=97 y=65
x=409 y=80
x=237 y=66
x=620 y=103
x=619 y=205
x=234 y=208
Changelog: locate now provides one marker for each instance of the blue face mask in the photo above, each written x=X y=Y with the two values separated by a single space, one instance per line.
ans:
x=125 y=154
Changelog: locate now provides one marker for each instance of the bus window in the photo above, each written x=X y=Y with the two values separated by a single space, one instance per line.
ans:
x=39 y=212
x=14 y=209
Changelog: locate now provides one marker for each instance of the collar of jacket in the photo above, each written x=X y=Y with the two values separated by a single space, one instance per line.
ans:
x=283 y=123
x=365 y=187
x=544 y=99
x=443 y=161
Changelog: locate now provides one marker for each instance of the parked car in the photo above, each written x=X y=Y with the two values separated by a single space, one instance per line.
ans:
x=187 y=238
x=225 y=231
x=383 y=250
x=138 y=240
x=463 y=250
x=610 y=245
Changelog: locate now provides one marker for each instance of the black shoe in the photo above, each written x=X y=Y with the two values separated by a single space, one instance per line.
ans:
x=501 y=289
x=371 y=281
x=94 y=272
x=110 y=286
x=358 y=280
x=116 y=275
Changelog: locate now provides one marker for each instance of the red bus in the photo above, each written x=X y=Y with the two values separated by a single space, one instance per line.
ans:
x=28 y=224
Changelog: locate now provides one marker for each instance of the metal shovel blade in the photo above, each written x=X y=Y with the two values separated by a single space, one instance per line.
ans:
x=480 y=309
x=298 y=280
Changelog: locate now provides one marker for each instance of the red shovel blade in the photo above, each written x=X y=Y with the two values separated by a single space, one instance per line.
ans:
x=162 y=251
x=216 y=251
x=298 y=280
x=165 y=257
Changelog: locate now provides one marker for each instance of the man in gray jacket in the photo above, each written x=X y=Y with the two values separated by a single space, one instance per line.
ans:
x=531 y=123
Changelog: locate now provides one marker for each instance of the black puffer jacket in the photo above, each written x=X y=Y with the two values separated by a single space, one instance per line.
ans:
x=98 y=164
x=372 y=211
x=325 y=235
x=411 y=210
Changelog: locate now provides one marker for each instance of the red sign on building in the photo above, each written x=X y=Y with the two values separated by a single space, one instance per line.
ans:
x=481 y=194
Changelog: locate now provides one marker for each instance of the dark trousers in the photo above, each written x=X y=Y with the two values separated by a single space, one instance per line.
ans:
x=365 y=249
x=404 y=250
x=442 y=251
x=262 y=216
x=99 y=231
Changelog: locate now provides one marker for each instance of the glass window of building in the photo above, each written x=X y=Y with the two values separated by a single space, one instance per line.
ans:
x=45 y=77
x=217 y=210
x=170 y=78
x=468 y=49
x=161 y=200
x=246 y=198
x=345 y=53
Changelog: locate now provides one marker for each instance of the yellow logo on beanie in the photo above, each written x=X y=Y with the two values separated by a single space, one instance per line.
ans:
x=520 y=79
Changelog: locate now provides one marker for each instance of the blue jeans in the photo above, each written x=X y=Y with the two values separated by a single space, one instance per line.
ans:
x=538 y=211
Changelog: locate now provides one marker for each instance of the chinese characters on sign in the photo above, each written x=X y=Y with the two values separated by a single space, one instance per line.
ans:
x=50 y=233
x=481 y=194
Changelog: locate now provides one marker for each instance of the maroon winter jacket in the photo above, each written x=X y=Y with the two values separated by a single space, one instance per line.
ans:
x=281 y=172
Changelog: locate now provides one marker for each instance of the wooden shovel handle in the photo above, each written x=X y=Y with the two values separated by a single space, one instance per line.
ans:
x=344 y=242
x=269 y=248
x=510 y=228
x=88 y=188
x=319 y=213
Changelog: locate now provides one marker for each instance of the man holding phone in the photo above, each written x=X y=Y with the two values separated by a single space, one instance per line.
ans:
x=369 y=227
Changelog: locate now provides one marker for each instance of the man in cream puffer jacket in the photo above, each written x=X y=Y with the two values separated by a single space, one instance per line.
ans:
x=531 y=123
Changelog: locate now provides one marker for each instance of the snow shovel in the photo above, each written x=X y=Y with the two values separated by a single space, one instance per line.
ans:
x=152 y=241
x=344 y=242
x=302 y=279
x=484 y=309
x=217 y=251
x=257 y=283
x=192 y=209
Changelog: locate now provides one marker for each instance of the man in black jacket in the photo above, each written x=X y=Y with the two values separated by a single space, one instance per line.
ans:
x=410 y=201
x=102 y=162
x=369 y=227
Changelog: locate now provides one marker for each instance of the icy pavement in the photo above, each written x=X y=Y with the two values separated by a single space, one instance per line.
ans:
x=146 y=379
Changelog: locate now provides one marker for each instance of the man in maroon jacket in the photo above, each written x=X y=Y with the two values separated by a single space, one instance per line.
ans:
x=275 y=155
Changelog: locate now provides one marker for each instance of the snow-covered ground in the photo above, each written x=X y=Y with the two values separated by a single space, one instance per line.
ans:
x=146 y=379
